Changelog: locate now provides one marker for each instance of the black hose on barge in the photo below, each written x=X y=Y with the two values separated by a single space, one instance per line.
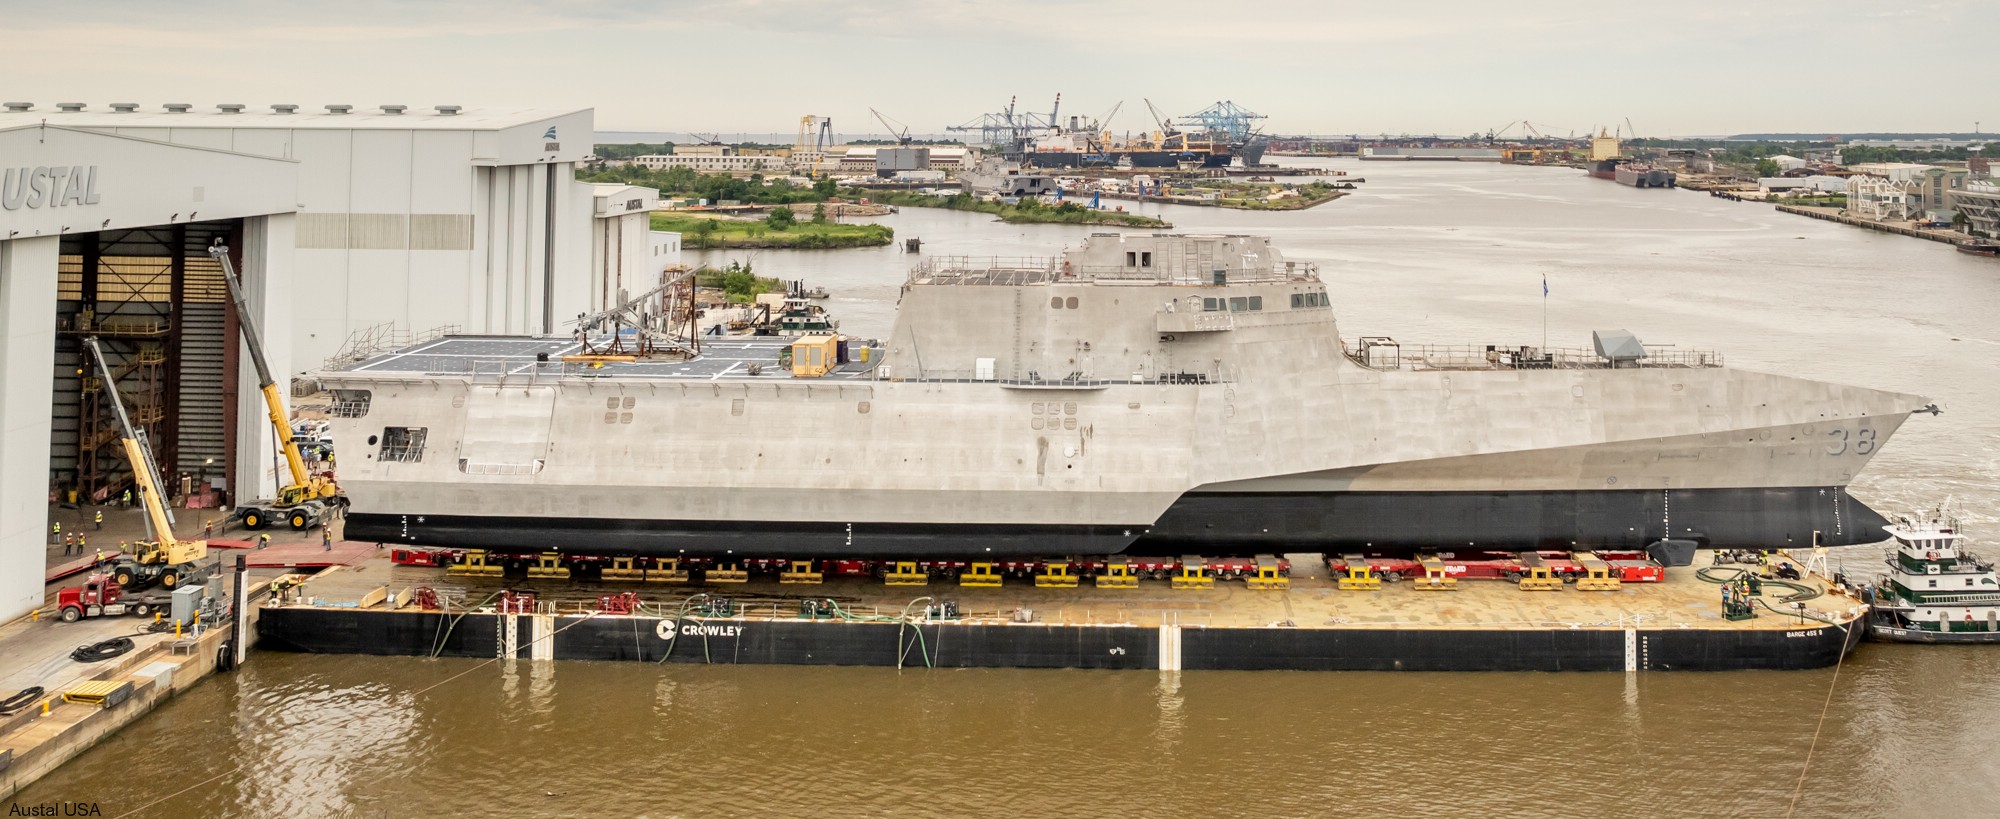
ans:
x=21 y=700
x=1800 y=591
x=102 y=650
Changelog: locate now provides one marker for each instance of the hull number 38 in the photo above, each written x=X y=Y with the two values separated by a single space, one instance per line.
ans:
x=1854 y=442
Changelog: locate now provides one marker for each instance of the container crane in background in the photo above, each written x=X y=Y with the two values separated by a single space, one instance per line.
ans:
x=160 y=558
x=308 y=499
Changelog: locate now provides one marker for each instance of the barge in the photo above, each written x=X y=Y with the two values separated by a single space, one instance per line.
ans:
x=1309 y=623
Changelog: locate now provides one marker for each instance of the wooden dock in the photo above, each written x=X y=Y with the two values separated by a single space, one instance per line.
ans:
x=1950 y=237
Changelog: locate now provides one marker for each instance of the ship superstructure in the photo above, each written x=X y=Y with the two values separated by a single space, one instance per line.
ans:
x=1161 y=394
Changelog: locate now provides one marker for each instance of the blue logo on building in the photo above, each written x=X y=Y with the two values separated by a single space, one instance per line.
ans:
x=551 y=134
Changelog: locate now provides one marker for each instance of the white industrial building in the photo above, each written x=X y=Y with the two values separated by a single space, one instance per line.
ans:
x=342 y=221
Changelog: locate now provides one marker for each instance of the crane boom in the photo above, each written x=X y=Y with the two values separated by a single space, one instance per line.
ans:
x=159 y=519
x=301 y=480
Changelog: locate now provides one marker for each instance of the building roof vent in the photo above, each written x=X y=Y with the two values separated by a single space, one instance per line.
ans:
x=69 y=107
x=178 y=107
x=230 y=108
x=339 y=109
x=125 y=107
x=394 y=109
x=449 y=110
x=284 y=108
x=18 y=107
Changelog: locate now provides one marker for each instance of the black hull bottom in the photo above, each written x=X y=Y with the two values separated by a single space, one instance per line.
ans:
x=1215 y=524
x=1886 y=628
x=960 y=645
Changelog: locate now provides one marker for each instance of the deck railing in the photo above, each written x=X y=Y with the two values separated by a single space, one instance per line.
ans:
x=1398 y=356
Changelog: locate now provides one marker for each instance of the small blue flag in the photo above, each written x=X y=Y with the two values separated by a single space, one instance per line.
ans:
x=1545 y=287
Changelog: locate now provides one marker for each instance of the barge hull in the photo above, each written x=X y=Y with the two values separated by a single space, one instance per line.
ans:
x=740 y=641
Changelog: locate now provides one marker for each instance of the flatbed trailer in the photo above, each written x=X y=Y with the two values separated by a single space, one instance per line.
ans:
x=1629 y=567
x=725 y=569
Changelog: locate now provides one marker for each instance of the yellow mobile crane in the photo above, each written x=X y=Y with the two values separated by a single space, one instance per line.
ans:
x=165 y=560
x=307 y=499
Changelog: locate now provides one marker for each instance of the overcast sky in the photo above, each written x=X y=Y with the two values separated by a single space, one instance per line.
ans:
x=1683 y=67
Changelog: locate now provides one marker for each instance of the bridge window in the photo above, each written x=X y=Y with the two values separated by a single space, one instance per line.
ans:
x=1131 y=258
x=403 y=444
x=1256 y=302
x=1211 y=305
x=1298 y=300
x=351 y=403
x=1146 y=258
x=1237 y=304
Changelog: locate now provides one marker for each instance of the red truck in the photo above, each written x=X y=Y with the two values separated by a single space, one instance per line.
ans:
x=100 y=596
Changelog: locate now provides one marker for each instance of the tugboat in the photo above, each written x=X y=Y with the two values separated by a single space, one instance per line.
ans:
x=816 y=293
x=1935 y=592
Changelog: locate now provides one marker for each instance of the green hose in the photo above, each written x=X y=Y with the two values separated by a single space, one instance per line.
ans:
x=1800 y=591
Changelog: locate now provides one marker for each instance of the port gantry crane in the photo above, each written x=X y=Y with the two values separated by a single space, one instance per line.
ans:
x=161 y=558
x=308 y=498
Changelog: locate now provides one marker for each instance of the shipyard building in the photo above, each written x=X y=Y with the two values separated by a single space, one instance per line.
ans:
x=349 y=226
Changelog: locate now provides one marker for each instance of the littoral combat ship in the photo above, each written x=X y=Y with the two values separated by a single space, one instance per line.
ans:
x=1148 y=394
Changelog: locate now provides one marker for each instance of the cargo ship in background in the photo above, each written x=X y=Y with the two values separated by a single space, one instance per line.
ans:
x=1643 y=175
x=1140 y=394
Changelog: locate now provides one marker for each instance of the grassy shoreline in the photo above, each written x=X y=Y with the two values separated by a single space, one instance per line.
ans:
x=1068 y=213
x=705 y=233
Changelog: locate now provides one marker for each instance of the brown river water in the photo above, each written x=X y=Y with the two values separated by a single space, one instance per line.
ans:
x=1439 y=253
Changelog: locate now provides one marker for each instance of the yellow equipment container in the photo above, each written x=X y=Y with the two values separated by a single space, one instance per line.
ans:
x=815 y=356
x=980 y=576
x=727 y=573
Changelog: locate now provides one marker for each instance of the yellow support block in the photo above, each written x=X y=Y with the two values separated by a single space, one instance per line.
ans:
x=906 y=573
x=1193 y=574
x=667 y=570
x=1435 y=578
x=1539 y=578
x=549 y=565
x=1358 y=575
x=980 y=576
x=1598 y=574
x=1055 y=576
x=622 y=568
x=726 y=573
x=1118 y=575
x=1268 y=577
x=801 y=571
x=475 y=563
